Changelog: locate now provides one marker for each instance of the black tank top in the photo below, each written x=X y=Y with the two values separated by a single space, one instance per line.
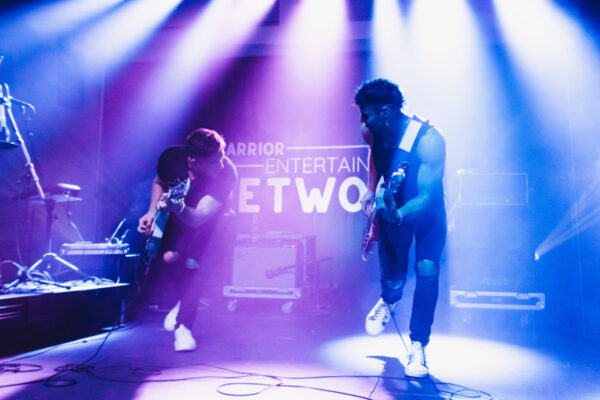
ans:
x=388 y=159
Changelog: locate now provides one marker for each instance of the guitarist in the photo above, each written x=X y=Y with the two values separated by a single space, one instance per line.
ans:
x=192 y=220
x=416 y=208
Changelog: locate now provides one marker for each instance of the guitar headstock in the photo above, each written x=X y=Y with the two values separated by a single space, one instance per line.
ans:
x=179 y=188
x=398 y=176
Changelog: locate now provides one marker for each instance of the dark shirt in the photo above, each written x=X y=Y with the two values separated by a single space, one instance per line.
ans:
x=191 y=241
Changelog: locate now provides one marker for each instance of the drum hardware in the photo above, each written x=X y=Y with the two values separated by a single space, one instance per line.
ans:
x=62 y=193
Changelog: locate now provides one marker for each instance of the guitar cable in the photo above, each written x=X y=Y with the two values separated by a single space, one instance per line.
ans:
x=58 y=380
x=459 y=392
x=393 y=317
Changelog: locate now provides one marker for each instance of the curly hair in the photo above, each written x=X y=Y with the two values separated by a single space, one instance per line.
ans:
x=378 y=92
x=204 y=142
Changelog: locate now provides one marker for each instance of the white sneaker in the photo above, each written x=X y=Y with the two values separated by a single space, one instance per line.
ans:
x=171 y=318
x=378 y=318
x=417 y=365
x=184 y=341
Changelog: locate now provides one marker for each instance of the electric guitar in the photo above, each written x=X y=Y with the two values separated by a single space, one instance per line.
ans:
x=387 y=191
x=176 y=193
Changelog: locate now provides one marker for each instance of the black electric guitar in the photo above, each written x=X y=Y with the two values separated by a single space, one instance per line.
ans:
x=176 y=193
x=388 y=191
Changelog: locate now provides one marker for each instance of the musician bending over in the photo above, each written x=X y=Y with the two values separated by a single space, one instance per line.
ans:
x=193 y=185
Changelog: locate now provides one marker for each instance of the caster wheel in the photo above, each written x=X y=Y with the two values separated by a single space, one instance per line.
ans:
x=232 y=305
x=287 y=307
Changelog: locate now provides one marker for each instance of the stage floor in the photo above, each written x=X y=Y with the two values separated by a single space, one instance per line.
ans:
x=301 y=355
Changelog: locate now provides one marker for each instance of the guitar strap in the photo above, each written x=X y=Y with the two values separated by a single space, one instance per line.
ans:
x=408 y=139
x=407 y=143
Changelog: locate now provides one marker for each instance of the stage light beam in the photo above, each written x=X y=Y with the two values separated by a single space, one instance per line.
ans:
x=388 y=33
x=110 y=40
x=559 y=62
x=313 y=41
x=29 y=25
x=582 y=215
x=62 y=16
x=197 y=58
x=557 y=58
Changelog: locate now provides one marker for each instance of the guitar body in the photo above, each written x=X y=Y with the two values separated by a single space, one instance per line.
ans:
x=153 y=240
x=370 y=236
x=388 y=191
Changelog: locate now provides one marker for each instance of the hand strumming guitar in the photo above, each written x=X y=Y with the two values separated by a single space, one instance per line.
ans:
x=381 y=205
x=367 y=202
x=146 y=221
x=385 y=204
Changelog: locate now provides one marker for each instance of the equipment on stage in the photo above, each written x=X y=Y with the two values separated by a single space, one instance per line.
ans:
x=5 y=142
x=82 y=261
x=98 y=259
x=497 y=300
x=89 y=248
x=101 y=260
x=494 y=276
x=62 y=193
x=274 y=266
x=8 y=124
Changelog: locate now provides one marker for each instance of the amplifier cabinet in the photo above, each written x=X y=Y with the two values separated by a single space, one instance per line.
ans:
x=103 y=260
x=268 y=267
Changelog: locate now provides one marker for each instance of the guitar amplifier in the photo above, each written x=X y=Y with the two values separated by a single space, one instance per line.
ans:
x=89 y=248
x=269 y=266
x=102 y=260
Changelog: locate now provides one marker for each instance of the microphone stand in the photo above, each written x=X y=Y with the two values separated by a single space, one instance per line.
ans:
x=48 y=258
x=5 y=100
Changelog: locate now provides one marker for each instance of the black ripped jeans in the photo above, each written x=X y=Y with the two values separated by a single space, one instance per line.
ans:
x=429 y=232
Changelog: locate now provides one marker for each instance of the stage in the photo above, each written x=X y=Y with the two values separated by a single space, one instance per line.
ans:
x=296 y=356
x=280 y=114
x=36 y=315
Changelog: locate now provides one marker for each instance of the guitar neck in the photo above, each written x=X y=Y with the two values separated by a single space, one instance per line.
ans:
x=158 y=225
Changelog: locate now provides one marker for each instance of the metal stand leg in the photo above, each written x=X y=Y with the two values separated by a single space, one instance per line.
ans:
x=25 y=276
x=6 y=101
x=49 y=258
